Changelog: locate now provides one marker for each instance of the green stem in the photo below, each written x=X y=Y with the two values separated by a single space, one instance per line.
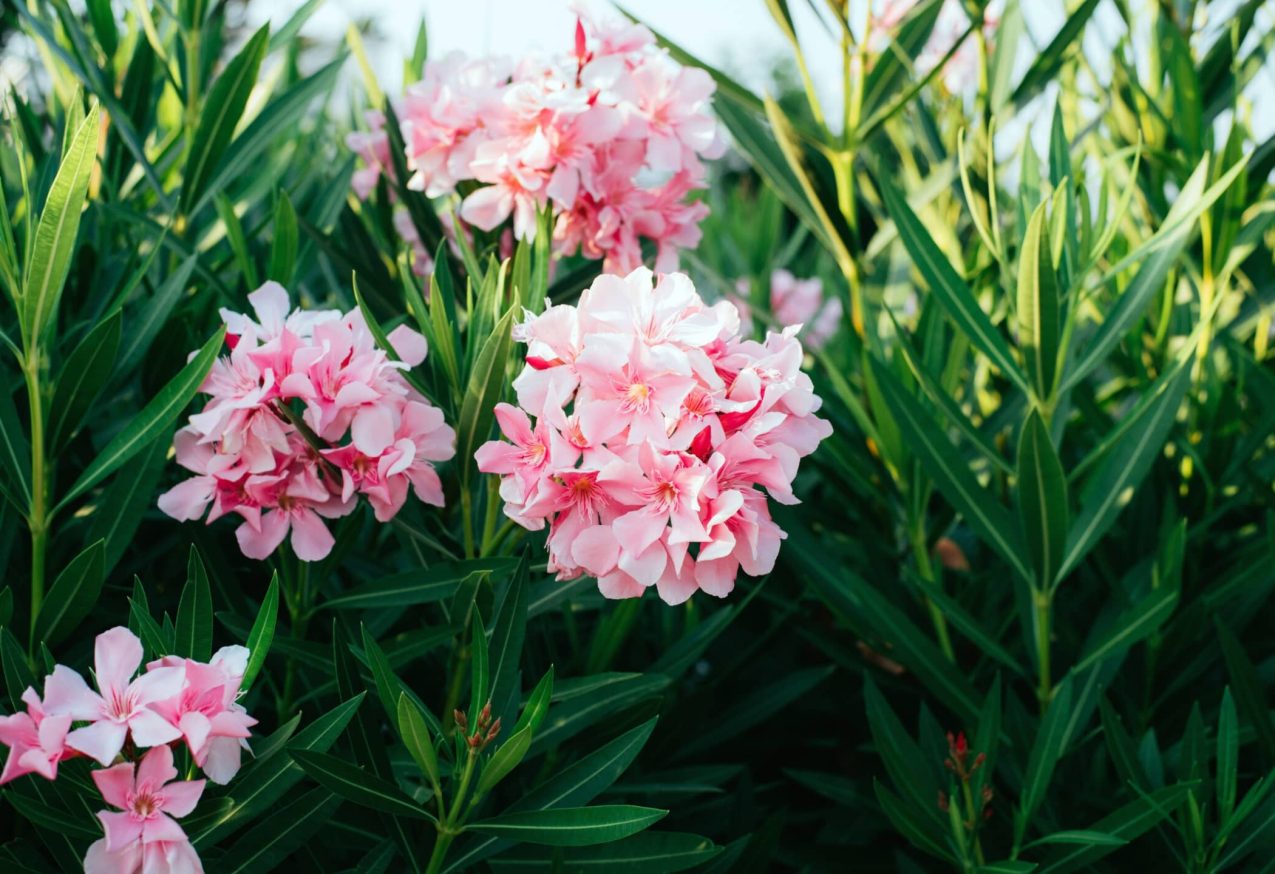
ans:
x=490 y=516
x=38 y=521
x=1042 y=602
x=451 y=824
x=926 y=569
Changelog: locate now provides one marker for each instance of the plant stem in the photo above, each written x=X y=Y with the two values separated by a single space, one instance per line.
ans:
x=926 y=570
x=1042 y=601
x=37 y=520
x=450 y=826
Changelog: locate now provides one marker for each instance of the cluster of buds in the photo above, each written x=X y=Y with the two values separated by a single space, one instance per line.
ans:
x=959 y=763
x=484 y=732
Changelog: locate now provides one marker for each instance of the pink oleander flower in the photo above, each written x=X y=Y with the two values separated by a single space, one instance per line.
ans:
x=142 y=834
x=608 y=136
x=650 y=436
x=306 y=413
x=795 y=301
x=214 y=726
x=121 y=708
x=36 y=740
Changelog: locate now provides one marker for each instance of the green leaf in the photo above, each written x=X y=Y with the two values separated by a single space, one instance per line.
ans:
x=486 y=381
x=1161 y=252
x=50 y=260
x=1038 y=318
x=570 y=826
x=119 y=511
x=222 y=110
x=280 y=834
x=15 y=450
x=507 y=757
x=904 y=762
x=505 y=646
x=608 y=696
x=1250 y=695
x=1042 y=499
x=980 y=509
x=643 y=853
x=904 y=819
x=1046 y=751
x=479 y=665
x=1125 y=824
x=757 y=706
x=82 y=377
x=438 y=582
x=1112 y=487
x=73 y=596
x=153 y=315
x=1082 y=837
x=155 y=418
x=283 y=248
x=1228 y=751
x=417 y=738
x=195 y=613
x=1136 y=623
x=948 y=288
x=262 y=634
x=1048 y=62
x=354 y=783
x=537 y=706
x=260 y=785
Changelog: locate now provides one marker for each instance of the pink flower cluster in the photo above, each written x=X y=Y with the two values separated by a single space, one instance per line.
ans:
x=285 y=470
x=795 y=301
x=608 y=135
x=175 y=700
x=655 y=429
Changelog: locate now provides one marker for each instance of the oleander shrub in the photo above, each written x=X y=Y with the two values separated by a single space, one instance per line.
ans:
x=934 y=406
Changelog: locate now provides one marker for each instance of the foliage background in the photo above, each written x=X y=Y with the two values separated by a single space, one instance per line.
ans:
x=801 y=723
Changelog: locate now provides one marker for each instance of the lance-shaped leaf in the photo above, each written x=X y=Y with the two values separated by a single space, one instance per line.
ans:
x=643 y=853
x=1125 y=824
x=283 y=248
x=155 y=418
x=486 y=382
x=981 y=510
x=222 y=111
x=948 y=288
x=1051 y=738
x=1137 y=622
x=50 y=261
x=417 y=738
x=194 y=612
x=15 y=453
x=262 y=634
x=354 y=783
x=73 y=596
x=1112 y=487
x=1038 y=328
x=281 y=833
x=1042 y=499
x=86 y=370
x=570 y=826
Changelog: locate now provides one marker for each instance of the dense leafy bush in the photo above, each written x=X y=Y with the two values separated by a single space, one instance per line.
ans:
x=1016 y=620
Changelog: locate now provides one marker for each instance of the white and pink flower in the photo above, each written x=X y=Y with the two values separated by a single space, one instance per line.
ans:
x=306 y=413
x=649 y=437
x=608 y=135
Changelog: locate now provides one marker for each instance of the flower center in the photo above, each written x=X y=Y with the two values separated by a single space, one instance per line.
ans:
x=637 y=396
x=145 y=805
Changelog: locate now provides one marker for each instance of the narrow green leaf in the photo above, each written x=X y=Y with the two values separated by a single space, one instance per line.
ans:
x=151 y=316
x=1136 y=623
x=486 y=382
x=417 y=738
x=15 y=451
x=980 y=509
x=479 y=666
x=119 y=511
x=55 y=235
x=507 y=637
x=281 y=833
x=438 y=582
x=194 y=612
x=155 y=418
x=262 y=634
x=1048 y=62
x=1046 y=752
x=948 y=288
x=283 y=248
x=355 y=784
x=1112 y=487
x=570 y=826
x=645 y=853
x=1042 y=499
x=1125 y=824
x=1228 y=751
x=224 y=107
x=1082 y=837
x=85 y=372
x=1250 y=695
x=73 y=596
x=1038 y=317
